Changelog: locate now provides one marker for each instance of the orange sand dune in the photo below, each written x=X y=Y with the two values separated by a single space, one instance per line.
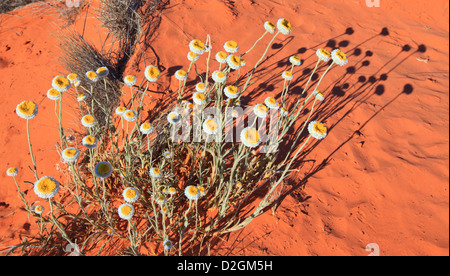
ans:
x=380 y=176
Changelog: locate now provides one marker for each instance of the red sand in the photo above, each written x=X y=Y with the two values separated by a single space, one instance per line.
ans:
x=386 y=175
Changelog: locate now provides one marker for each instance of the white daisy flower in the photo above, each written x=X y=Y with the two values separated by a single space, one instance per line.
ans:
x=12 y=171
x=221 y=57
x=152 y=73
x=210 y=126
x=155 y=173
x=270 y=27
x=339 y=57
x=191 y=56
x=261 y=110
x=27 y=109
x=72 y=77
x=296 y=61
x=197 y=47
x=234 y=62
x=167 y=154
x=146 y=128
x=192 y=192
x=199 y=98
x=317 y=130
x=39 y=209
x=92 y=76
x=323 y=54
x=173 y=117
x=250 y=137
x=81 y=97
x=219 y=76
x=161 y=200
x=102 y=71
x=129 y=115
x=53 y=94
x=60 y=83
x=130 y=194
x=284 y=26
x=181 y=75
x=46 y=187
x=88 y=121
x=70 y=155
x=125 y=211
x=319 y=95
x=270 y=102
x=231 y=46
x=200 y=87
x=89 y=142
x=287 y=75
x=120 y=110
x=231 y=91
x=130 y=80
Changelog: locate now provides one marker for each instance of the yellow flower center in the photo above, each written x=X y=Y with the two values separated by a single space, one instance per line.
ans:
x=262 y=108
x=89 y=119
x=153 y=72
x=181 y=73
x=129 y=113
x=235 y=59
x=12 y=170
x=72 y=76
x=325 y=52
x=121 y=108
x=286 y=24
x=232 y=89
x=81 y=95
x=130 y=78
x=287 y=73
x=101 y=70
x=103 y=168
x=239 y=184
x=271 y=25
x=198 y=44
x=109 y=231
x=200 y=96
x=211 y=124
x=222 y=55
x=232 y=44
x=252 y=135
x=192 y=190
x=90 y=140
x=201 y=189
x=272 y=101
x=91 y=75
x=192 y=55
x=172 y=190
x=39 y=208
x=61 y=82
x=173 y=116
x=27 y=107
x=126 y=210
x=341 y=55
x=130 y=193
x=220 y=75
x=201 y=85
x=156 y=171
x=46 y=186
x=320 y=128
x=296 y=58
x=146 y=125
x=70 y=152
